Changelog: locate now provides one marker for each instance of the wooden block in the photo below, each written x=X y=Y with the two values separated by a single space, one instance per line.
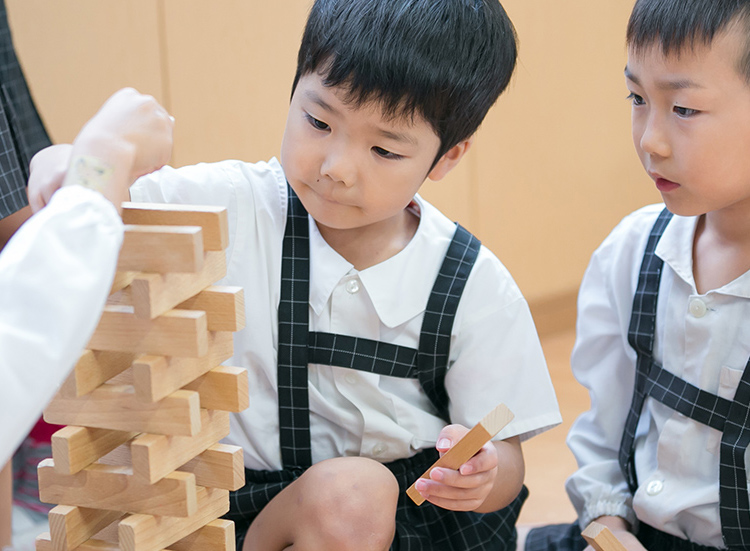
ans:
x=154 y=456
x=155 y=377
x=176 y=333
x=122 y=280
x=601 y=538
x=224 y=306
x=224 y=388
x=44 y=543
x=151 y=533
x=213 y=220
x=152 y=295
x=72 y=526
x=161 y=249
x=94 y=368
x=74 y=448
x=468 y=446
x=217 y=535
x=114 y=488
x=220 y=466
x=115 y=407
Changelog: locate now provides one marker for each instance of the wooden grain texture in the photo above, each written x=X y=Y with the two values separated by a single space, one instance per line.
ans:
x=71 y=526
x=224 y=388
x=176 y=333
x=161 y=249
x=154 y=456
x=468 y=446
x=153 y=294
x=115 y=407
x=74 y=448
x=44 y=543
x=217 y=535
x=155 y=377
x=114 y=488
x=601 y=538
x=152 y=533
x=212 y=220
x=94 y=368
x=220 y=466
x=224 y=306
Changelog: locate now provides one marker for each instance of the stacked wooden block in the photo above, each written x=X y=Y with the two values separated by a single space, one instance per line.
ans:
x=138 y=466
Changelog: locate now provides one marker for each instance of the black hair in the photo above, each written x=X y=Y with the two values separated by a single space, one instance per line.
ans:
x=446 y=60
x=678 y=24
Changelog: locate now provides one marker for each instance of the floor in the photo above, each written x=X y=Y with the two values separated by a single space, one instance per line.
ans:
x=548 y=460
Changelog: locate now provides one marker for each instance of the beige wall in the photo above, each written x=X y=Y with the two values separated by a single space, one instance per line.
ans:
x=552 y=170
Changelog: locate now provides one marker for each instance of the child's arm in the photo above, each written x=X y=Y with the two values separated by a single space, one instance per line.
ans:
x=487 y=482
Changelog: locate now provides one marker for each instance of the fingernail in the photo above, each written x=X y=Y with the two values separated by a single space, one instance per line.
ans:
x=444 y=443
x=466 y=469
x=421 y=486
x=437 y=474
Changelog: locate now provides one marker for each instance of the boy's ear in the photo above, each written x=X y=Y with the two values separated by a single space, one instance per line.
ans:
x=450 y=159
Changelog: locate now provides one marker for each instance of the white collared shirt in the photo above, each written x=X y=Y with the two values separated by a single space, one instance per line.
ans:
x=55 y=275
x=495 y=352
x=705 y=339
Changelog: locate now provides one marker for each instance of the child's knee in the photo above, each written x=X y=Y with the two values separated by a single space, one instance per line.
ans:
x=352 y=501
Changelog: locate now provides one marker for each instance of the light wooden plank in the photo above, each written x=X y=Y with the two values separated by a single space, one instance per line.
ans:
x=154 y=456
x=601 y=538
x=115 y=407
x=122 y=280
x=161 y=249
x=44 y=543
x=220 y=466
x=71 y=526
x=213 y=220
x=94 y=368
x=74 y=448
x=217 y=535
x=115 y=488
x=224 y=388
x=154 y=294
x=176 y=333
x=468 y=446
x=155 y=377
x=224 y=306
x=151 y=533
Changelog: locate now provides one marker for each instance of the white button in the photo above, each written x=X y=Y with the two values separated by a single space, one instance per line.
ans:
x=379 y=449
x=351 y=378
x=654 y=487
x=698 y=308
x=352 y=286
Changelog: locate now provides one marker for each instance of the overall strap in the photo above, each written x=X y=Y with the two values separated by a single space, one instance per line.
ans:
x=294 y=410
x=641 y=338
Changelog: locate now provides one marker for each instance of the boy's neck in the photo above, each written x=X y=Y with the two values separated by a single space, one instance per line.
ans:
x=721 y=248
x=367 y=246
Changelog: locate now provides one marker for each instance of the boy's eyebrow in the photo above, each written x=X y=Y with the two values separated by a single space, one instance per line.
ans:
x=678 y=84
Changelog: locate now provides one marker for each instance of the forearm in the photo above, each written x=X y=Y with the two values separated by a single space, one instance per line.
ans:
x=510 y=475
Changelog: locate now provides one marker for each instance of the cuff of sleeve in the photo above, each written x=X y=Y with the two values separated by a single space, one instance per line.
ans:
x=606 y=508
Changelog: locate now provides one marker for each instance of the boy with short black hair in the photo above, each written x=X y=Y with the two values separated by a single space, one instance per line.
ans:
x=663 y=340
x=373 y=321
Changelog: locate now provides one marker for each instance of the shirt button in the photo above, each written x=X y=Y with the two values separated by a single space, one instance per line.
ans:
x=379 y=449
x=698 y=308
x=654 y=487
x=352 y=286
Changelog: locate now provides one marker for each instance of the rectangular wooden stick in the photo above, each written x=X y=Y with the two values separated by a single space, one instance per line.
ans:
x=220 y=466
x=217 y=535
x=224 y=306
x=161 y=249
x=94 y=368
x=71 y=526
x=601 y=538
x=224 y=388
x=470 y=444
x=74 y=448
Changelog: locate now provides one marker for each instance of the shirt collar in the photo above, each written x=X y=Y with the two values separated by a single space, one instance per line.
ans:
x=412 y=270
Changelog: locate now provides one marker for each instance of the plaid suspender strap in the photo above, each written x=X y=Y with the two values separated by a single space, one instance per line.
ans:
x=298 y=347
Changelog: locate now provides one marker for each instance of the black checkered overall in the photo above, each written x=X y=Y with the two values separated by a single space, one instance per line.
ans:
x=21 y=131
x=732 y=418
x=417 y=528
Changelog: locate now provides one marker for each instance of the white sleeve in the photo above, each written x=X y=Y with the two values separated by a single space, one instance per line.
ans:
x=604 y=363
x=55 y=276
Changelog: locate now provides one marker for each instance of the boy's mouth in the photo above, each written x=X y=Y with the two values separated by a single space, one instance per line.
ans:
x=664 y=185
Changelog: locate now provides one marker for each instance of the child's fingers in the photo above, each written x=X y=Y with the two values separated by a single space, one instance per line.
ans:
x=484 y=460
x=454 y=479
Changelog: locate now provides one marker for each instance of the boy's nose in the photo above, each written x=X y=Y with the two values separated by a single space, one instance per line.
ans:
x=340 y=167
x=653 y=139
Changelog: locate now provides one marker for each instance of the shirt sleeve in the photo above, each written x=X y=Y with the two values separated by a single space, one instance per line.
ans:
x=604 y=363
x=55 y=276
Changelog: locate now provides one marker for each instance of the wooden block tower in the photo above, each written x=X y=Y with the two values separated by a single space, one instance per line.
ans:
x=138 y=466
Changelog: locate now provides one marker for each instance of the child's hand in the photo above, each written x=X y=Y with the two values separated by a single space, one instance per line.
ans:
x=46 y=174
x=467 y=488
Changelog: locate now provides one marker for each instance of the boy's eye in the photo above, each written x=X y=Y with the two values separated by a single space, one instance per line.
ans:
x=316 y=123
x=685 y=111
x=636 y=99
x=385 y=153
